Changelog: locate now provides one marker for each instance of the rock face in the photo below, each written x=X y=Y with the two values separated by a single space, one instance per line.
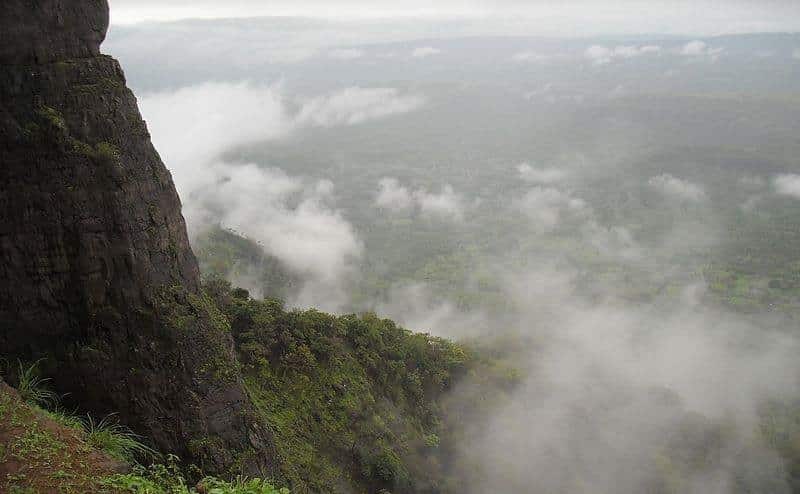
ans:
x=96 y=272
x=43 y=31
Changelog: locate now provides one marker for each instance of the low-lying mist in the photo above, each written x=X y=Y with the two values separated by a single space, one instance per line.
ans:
x=666 y=395
x=635 y=247
x=289 y=216
x=625 y=397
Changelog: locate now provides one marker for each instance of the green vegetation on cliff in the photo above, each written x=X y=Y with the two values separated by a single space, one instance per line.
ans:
x=355 y=402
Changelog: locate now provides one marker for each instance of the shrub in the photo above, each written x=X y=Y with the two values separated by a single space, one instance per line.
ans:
x=432 y=440
x=168 y=479
x=385 y=467
x=164 y=478
x=240 y=486
x=299 y=359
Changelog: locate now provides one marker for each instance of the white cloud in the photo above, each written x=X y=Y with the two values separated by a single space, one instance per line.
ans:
x=796 y=54
x=694 y=48
x=546 y=207
x=753 y=184
x=498 y=17
x=751 y=203
x=787 y=185
x=600 y=54
x=394 y=196
x=677 y=188
x=752 y=181
x=355 y=105
x=224 y=115
x=447 y=204
x=619 y=379
x=289 y=217
x=292 y=218
x=417 y=307
x=654 y=49
x=346 y=53
x=191 y=126
x=529 y=56
x=541 y=175
x=615 y=241
x=311 y=238
x=626 y=51
x=324 y=188
x=542 y=91
x=549 y=207
x=636 y=51
x=618 y=92
x=699 y=48
x=425 y=51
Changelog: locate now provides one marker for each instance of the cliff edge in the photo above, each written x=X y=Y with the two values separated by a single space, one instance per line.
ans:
x=96 y=273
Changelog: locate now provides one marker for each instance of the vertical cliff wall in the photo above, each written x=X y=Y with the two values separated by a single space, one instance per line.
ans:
x=96 y=272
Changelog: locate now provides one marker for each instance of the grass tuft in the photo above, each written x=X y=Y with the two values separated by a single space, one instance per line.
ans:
x=240 y=485
x=167 y=478
x=116 y=440
x=62 y=417
x=32 y=388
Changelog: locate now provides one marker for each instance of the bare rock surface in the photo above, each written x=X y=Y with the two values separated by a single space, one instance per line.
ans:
x=96 y=272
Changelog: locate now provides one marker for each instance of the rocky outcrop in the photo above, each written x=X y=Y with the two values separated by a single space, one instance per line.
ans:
x=96 y=271
x=43 y=31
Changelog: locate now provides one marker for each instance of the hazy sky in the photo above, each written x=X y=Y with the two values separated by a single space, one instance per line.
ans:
x=569 y=17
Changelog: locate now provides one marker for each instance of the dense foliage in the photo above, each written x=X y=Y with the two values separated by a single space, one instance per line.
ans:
x=355 y=401
x=168 y=479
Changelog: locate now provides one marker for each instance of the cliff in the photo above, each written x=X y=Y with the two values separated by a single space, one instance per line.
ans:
x=96 y=272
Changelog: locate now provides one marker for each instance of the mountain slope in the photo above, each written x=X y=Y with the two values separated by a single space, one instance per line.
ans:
x=37 y=454
x=99 y=285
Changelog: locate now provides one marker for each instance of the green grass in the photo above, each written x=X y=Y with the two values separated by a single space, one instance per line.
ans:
x=241 y=486
x=106 y=435
x=32 y=388
x=45 y=459
x=137 y=484
x=38 y=457
x=167 y=478
x=53 y=117
x=64 y=418
x=116 y=440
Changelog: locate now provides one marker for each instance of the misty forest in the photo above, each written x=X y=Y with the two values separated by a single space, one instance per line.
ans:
x=434 y=255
